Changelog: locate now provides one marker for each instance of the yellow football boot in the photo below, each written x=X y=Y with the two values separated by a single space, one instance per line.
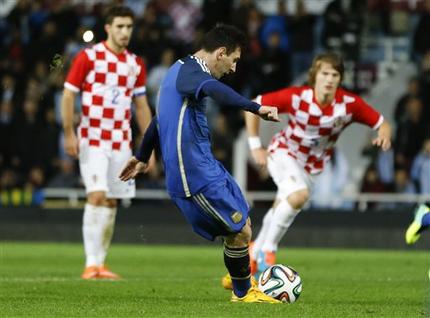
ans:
x=413 y=232
x=254 y=295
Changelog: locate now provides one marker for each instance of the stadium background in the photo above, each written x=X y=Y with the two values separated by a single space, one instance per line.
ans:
x=387 y=53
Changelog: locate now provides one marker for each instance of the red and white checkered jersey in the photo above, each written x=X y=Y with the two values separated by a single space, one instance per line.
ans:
x=108 y=81
x=312 y=130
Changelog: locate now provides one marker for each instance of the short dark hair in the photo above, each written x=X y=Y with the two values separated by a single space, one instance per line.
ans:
x=223 y=35
x=329 y=57
x=117 y=11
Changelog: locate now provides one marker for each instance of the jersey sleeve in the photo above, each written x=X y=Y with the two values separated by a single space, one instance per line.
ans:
x=365 y=114
x=140 y=85
x=81 y=65
x=191 y=79
x=280 y=99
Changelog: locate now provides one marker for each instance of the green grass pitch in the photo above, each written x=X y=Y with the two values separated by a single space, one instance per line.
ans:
x=42 y=280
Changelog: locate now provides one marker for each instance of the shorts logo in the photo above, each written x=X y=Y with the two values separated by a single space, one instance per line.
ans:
x=236 y=216
x=94 y=178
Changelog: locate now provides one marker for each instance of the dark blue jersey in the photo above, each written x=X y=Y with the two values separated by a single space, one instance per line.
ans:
x=183 y=132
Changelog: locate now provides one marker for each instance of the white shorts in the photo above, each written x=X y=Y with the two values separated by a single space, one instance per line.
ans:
x=100 y=171
x=288 y=176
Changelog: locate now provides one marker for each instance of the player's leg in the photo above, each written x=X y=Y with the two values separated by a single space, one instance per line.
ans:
x=221 y=210
x=93 y=166
x=256 y=246
x=420 y=223
x=116 y=190
x=293 y=192
x=285 y=211
x=236 y=259
x=97 y=229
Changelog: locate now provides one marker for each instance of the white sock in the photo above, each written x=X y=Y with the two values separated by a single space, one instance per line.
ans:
x=91 y=234
x=107 y=224
x=283 y=216
x=261 y=237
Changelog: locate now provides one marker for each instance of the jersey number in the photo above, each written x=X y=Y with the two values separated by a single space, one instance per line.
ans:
x=115 y=94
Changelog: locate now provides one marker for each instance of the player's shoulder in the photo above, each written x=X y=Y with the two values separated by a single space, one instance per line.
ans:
x=346 y=96
x=194 y=64
x=90 y=52
x=134 y=57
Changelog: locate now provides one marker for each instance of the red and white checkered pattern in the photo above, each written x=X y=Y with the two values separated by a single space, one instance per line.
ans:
x=312 y=130
x=108 y=82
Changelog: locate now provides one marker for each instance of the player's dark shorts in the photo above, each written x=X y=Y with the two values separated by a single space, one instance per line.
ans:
x=219 y=210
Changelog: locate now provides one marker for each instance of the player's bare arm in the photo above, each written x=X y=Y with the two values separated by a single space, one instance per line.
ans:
x=383 y=139
x=259 y=154
x=67 y=115
x=143 y=118
x=143 y=113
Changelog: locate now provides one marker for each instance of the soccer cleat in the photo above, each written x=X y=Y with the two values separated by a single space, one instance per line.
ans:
x=90 y=272
x=105 y=273
x=254 y=295
x=228 y=284
x=414 y=229
x=265 y=260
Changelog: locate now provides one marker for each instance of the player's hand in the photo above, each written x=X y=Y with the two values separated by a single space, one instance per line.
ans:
x=132 y=169
x=260 y=157
x=71 y=145
x=268 y=113
x=383 y=142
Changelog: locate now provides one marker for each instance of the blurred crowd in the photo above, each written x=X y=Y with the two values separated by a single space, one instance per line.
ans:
x=39 y=38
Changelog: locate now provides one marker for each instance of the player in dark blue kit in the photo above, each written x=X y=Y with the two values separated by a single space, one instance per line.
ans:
x=200 y=186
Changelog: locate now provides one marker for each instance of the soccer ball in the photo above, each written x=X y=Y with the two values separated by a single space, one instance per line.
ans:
x=281 y=282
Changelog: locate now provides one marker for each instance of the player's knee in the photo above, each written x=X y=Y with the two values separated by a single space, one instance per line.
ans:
x=298 y=199
x=240 y=239
x=97 y=198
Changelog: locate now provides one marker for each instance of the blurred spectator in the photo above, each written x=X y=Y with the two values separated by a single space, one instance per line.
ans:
x=343 y=24
x=272 y=69
x=372 y=184
x=421 y=43
x=241 y=16
x=157 y=74
x=413 y=90
x=424 y=78
x=185 y=16
x=420 y=171
x=18 y=19
x=383 y=161
x=26 y=132
x=402 y=182
x=66 y=177
x=330 y=184
x=47 y=45
x=6 y=116
x=302 y=25
x=150 y=35
x=49 y=148
x=276 y=23
x=33 y=188
x=410 y=133
x=8 y=91
x=214 y=11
